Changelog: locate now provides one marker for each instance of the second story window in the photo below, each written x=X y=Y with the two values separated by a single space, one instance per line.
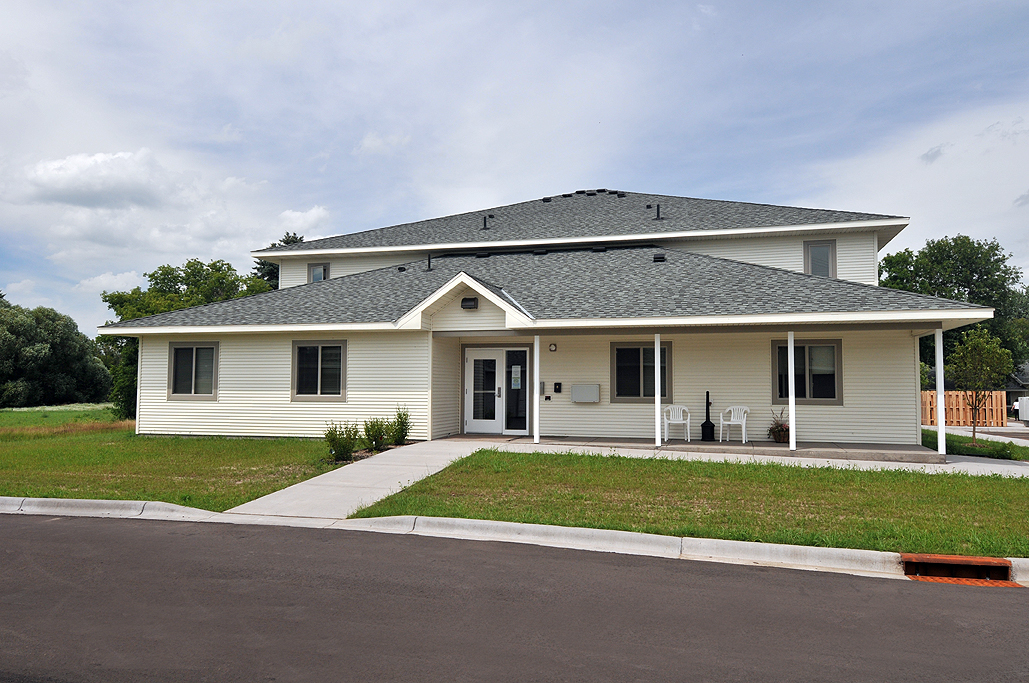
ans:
x=316 y=272
x=820 y=258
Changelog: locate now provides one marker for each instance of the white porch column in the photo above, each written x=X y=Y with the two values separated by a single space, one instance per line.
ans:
x=941 y=409
x=536 y=389
x=791 y=368
x=657 y=390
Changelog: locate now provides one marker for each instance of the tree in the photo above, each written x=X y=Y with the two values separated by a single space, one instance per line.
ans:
x=4 y=303
x=978 y=366
x=976 y=271
x=170 y=288
x=268 y=271
x=45 y=360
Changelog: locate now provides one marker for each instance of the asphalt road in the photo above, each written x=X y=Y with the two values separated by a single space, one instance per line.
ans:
x=128 y=600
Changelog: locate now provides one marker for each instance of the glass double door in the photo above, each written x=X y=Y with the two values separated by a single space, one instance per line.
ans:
x=496 y=390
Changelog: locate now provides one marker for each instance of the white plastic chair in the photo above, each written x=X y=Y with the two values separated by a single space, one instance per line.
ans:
x=680 y=415
x=737 y=415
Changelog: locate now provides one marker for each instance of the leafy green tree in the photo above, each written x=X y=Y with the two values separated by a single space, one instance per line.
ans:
x=170 y=288
x=979 y=365
x=976 y=271
x=268 y=271
x=4 y=303
x=45 y=360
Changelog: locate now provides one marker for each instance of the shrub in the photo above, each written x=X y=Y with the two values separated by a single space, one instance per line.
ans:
x=400 y=427
x=376 y=431
x=342 y=439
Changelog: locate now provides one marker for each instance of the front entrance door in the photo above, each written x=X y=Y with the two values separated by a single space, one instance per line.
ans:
x=496 y=385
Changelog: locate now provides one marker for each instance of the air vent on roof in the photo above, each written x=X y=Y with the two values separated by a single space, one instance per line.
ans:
x=482 y=254
x=621 y=194
x=484 y=225
x=546 y=200
x=567 y=195
x=599 y=249
x=539 y=252
x=591 y=194
x=580 y=192
x=658 y=216
x=401 y=269
x=659 y=258
x=602 y=190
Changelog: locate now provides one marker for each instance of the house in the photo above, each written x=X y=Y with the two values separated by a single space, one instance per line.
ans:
x=545 y=318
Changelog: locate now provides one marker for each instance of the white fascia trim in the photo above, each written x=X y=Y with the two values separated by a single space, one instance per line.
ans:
x=242 y=329
x=412 y=319
x=593 y=239
x=965 y=315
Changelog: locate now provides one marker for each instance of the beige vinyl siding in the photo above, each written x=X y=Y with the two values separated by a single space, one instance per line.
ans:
x=856 y=257
x=446 y=386
x=448 y=315
x=293 y=272
x=383 y=370
x=879 y=387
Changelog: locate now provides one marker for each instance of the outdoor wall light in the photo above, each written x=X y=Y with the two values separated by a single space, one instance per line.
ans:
x=553 y=347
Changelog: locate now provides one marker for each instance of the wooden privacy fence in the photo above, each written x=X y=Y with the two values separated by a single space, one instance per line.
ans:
x=994 y=414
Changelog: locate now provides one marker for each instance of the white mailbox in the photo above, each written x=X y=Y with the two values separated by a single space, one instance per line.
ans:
x=585 y=393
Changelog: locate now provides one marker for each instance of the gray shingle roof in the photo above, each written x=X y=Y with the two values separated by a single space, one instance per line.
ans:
x=618 y=283
x=585 y=214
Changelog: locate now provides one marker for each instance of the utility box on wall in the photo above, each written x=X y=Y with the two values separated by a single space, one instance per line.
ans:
x=585 y=393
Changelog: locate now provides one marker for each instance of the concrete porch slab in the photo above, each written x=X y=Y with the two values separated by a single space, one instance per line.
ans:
x=806 y=449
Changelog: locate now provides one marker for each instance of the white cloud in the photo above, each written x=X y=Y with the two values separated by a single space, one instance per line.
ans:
x=372 y=143
x=22 y=287
x=303 y=221
x=110 y=282
x=976 y=188
x=120 y=179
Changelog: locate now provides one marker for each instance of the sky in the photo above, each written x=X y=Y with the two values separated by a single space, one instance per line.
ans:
x=139 y=134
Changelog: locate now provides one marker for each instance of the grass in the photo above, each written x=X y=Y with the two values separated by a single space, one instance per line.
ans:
x=86 y=454
x=889 y=510
x=51 y=416
x=962 y=445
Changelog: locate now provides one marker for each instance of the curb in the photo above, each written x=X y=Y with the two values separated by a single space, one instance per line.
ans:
x=869 y=563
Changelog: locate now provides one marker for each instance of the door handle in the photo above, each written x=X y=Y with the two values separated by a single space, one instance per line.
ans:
x=498 y=391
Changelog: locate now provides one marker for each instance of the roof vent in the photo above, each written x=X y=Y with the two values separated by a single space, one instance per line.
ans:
x=567 y=195
x=659 y=258
x=621 y=194
x=401 y=269
x=539 y=252
x=484 y=225
x=658 y=206
x=546 y=200
x=580 y=192
x=482 y=254
x=591 y=194
x=599 y=249
x=470 y=303
x=602 y=190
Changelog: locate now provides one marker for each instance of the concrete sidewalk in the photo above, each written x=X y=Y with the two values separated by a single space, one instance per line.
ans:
x=1015 y=432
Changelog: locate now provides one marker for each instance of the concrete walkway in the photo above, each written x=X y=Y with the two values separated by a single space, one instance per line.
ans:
x=337 y=494
x=1016 y=432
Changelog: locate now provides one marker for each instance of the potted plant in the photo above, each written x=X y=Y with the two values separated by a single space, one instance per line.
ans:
x=780 y=429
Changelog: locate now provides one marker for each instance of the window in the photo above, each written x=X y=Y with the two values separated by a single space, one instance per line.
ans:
x=316 y=272
x=632 y=372
x=820 y=258
x=319 y=370
x=818 y=371
x=193 y=371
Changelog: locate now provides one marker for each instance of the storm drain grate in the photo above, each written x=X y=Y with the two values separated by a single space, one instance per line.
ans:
x=958 y=569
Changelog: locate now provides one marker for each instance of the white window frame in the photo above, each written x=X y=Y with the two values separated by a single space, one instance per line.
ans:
x=799 y=343
x=342 y=396
x=666 y=347
x=832 y=255
x=213 y=396
x=311 y=268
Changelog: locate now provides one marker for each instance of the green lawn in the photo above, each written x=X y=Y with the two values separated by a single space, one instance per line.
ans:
x=891 y=510
x=52 y=416
x=962 y=445
x=212 y=473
